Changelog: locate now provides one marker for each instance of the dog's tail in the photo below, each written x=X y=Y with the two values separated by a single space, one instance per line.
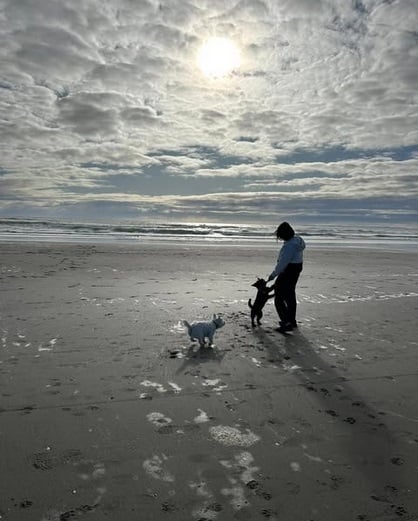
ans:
x=186 y=324
x=249 y=303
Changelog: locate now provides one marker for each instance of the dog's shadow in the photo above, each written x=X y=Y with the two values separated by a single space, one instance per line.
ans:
x=196 y=355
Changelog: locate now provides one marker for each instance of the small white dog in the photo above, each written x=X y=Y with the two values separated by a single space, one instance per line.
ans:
x=202 y=330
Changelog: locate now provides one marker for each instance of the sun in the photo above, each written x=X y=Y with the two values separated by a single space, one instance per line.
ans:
x=218 y=57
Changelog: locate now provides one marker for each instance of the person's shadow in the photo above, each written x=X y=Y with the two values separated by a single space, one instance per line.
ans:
x=369 y=444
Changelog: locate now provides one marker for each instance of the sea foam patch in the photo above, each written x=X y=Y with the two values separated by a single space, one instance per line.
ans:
x=216 y=384
x=210 y=383
x=317 y=459
x=201 y=488
x=291 y=368
x=177 y=328
x=42 y=348
x=256 y=362
x=99 y=471
x=231 y=436
x=207 y=512
x=202 y=418
x=154 y=467
x=175 y=387
x=237 y=495
x=344 y=298
x=158 y=419
x=243 y=463
x=147 y=383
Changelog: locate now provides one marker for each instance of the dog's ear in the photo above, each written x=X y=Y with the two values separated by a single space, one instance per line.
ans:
x=214 y=316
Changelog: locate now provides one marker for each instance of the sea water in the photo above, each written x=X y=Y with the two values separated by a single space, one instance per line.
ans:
x=383 y=237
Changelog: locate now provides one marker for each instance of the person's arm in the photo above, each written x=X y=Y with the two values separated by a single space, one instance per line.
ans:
x=285 y=256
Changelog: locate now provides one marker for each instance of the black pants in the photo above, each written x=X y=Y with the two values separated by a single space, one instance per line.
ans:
x=285 y=293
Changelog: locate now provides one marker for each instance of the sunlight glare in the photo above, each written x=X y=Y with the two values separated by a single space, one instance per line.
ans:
x=218 y=56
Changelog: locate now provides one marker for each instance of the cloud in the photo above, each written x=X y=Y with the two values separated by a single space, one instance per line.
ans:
x=91 y=90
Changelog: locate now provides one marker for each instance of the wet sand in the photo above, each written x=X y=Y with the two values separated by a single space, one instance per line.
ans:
x=108 y=411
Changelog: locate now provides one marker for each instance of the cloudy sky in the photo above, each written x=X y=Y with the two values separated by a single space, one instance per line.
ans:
x=107 y=113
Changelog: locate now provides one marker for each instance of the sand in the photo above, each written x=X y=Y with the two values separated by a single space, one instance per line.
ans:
x=108 y=411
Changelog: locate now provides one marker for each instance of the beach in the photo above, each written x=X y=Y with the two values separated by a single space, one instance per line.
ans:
x=109 y=411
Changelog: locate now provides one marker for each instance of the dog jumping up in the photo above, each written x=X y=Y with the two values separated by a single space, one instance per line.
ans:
x=204 y=330
x=263 y=294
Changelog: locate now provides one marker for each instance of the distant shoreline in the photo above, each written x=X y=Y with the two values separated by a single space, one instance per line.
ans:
x=394 y=245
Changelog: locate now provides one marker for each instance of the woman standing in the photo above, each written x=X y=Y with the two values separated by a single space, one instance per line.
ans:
x=288 y=268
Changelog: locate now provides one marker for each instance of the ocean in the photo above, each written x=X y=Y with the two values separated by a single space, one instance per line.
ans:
x=397 y=238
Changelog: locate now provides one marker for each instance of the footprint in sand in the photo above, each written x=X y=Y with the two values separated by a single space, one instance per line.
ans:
x=350 y=420
x=331 y=412
x=397 y=461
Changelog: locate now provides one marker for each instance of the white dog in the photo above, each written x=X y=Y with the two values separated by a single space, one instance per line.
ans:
x=202 y=330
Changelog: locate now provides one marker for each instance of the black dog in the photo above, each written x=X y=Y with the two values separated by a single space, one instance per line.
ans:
x=260 y=300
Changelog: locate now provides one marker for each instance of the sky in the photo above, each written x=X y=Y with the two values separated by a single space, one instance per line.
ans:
x=106 y=113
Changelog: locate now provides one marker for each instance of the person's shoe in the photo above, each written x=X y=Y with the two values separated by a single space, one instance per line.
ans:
x=293 y=322
x=285 y=328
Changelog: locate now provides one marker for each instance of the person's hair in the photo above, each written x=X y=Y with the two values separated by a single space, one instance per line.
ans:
x=285 y=231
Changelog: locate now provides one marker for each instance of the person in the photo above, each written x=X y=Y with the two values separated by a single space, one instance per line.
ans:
x=288 y=268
